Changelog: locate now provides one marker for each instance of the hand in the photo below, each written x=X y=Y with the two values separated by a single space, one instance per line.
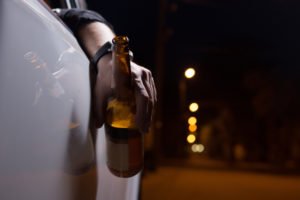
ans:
x=92 y=37
x=145 y=92
x=145 y=95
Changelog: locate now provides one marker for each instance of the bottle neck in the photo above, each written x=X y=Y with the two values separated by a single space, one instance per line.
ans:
x=121 y=81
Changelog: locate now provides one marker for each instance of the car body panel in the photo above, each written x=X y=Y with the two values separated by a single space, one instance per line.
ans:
x=44 y=104
x=109 y=186
x=45 y=143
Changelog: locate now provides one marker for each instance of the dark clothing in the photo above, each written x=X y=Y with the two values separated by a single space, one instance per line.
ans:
x=74 y=18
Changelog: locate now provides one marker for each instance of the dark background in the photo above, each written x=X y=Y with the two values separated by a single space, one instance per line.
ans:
x=247 y=82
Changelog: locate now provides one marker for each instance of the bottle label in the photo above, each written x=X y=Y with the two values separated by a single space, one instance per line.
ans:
x=124 y=151
x=118 y=155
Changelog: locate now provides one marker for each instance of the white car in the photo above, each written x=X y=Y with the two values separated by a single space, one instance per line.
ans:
x=46 y=148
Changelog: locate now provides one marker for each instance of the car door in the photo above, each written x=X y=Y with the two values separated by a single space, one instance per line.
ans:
x=44 y=105
x=46 y=149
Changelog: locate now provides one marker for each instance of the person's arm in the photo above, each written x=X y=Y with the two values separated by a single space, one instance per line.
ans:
x=93 y=36
x=92 y=33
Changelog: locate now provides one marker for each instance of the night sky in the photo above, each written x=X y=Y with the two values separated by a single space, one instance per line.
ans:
x=220 y=38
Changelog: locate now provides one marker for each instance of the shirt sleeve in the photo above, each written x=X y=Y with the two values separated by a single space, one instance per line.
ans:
x=74 y=18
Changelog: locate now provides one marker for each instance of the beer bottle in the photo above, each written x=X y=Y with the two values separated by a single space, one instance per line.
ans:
x=123 y=139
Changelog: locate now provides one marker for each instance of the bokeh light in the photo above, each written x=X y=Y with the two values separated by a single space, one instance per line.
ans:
x=193 y=107
x=193 y=128
x=197 y=148
x=192 y=120
x=191 y=138
x=189 y=73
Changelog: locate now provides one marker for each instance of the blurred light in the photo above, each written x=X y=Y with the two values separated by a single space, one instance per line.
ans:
x=158 y=124
x=193 y=128
x=191 y=138
x=197 y=148
x=192 y=120
x=73 y=125
x=189 y=73
x=239 y=152
x=193 y=107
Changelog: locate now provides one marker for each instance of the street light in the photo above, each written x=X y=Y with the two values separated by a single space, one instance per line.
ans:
x=193 y=128
x=189 y=73
x=192 y=120
x=193 y=107
x=191 y=138
x=197 y=148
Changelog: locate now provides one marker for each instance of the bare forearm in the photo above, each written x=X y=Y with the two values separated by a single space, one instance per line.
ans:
x=93 y=36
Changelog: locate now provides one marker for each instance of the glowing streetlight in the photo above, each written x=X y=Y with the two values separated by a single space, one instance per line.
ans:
x=193 y=128
x=192 y=120
x=191 y=138
x=193 y=107
x=189 y=73
x=198 y=148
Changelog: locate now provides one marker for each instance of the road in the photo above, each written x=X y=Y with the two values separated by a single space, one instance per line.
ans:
x=179 y=183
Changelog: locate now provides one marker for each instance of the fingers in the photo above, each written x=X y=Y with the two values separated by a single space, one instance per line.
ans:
x=154 y=89
x=145 y=96
x=102 y=92
x=143 y=112
x=149 y=85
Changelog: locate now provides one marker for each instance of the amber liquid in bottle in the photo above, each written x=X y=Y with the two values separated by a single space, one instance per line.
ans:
x=124 y=141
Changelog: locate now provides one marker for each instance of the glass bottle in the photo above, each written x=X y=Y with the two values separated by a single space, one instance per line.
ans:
x=124 y=141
